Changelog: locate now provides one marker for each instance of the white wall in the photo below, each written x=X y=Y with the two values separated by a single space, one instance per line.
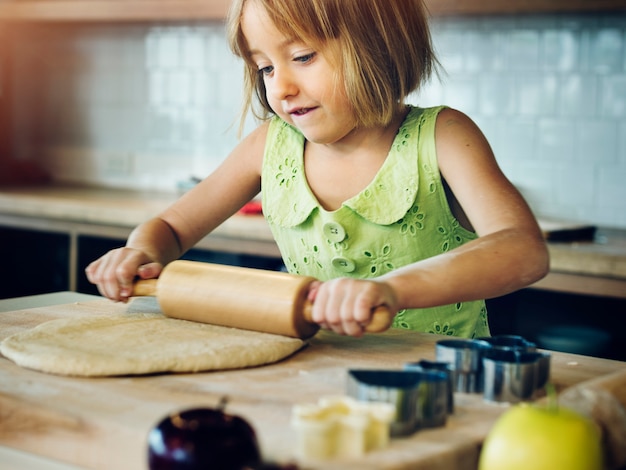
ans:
x=549 y=92
x=149 y=106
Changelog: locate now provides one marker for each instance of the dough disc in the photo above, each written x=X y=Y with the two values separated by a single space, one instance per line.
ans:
x=141 y=343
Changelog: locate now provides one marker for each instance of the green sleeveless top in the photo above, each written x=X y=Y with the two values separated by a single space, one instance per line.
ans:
x=401 y=217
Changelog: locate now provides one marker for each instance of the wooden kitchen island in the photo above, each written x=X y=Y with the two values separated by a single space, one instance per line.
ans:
x=103 y=423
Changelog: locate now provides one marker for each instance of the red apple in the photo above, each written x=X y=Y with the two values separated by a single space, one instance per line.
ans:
x=202 y=438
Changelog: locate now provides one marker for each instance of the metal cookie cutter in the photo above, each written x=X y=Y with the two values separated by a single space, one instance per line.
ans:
x=424 y=365
x=512 y=342
x=543 y=369
x=513 y=376
x=465 y=356
x=399 y=388
x=433 y=399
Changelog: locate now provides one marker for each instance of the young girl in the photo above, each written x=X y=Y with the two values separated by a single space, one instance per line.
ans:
x=384 y=203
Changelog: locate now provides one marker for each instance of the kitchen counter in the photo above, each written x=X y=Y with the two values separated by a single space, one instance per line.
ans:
x=44 y=300
x=102 y=423
x=119 y=211
x=595 y=268
x=112 y=214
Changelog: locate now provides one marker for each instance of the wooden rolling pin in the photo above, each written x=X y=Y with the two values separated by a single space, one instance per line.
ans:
x=251 y=299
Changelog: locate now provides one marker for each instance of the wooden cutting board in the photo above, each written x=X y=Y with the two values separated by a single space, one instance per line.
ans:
x=103 y=423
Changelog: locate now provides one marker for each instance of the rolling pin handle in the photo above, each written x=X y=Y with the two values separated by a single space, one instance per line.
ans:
x=381 y=318
x=145 y=288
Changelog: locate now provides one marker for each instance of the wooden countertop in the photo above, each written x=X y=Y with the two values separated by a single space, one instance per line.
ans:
x=604 y=256
x=103 y=423
x=596 y=266
x=110 y=207
x=113 y=213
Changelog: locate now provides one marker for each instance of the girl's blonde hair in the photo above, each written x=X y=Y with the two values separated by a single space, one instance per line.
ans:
x=383 y=48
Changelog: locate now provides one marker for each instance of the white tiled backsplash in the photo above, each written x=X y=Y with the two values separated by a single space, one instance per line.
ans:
x=149 y=106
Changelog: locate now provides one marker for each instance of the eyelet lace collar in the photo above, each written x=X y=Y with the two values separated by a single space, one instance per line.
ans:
x=385 y=200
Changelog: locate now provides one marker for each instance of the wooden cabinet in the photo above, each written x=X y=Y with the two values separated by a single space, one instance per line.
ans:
x=184 y=10
x=35 y=262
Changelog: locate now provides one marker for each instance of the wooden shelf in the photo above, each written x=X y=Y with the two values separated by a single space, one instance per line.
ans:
x=582 y=284
x=113 y=10
x=200 y=10
x=508 y=7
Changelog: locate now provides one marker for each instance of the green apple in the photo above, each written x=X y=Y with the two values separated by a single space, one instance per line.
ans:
x=530 y=437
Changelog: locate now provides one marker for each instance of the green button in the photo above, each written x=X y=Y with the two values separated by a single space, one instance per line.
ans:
x=334 y=232
x=345 y=265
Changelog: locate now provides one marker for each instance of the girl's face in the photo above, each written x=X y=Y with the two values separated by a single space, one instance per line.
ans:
x=302 y=86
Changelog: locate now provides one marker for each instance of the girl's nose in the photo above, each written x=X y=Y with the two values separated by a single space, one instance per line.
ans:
x=282 y=85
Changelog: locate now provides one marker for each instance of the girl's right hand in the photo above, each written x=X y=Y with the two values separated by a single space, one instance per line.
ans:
x=346 y=305
x=115 y=272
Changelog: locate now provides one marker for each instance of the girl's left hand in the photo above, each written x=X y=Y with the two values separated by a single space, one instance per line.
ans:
x=346 y=305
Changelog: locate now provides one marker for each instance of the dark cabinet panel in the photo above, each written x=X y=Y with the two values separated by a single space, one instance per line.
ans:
x=91 y=248
x=591 y=325
x=33 y=262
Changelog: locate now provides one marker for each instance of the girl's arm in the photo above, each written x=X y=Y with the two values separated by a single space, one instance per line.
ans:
x=509 y=254
x=166 y=237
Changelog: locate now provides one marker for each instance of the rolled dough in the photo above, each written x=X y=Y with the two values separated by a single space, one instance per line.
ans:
x=141 y=343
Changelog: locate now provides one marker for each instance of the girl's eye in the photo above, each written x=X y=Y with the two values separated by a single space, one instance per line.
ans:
x=305 y=58
x=266 y=70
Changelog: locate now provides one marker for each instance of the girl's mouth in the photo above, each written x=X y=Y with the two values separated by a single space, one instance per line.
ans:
x=300 y=112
